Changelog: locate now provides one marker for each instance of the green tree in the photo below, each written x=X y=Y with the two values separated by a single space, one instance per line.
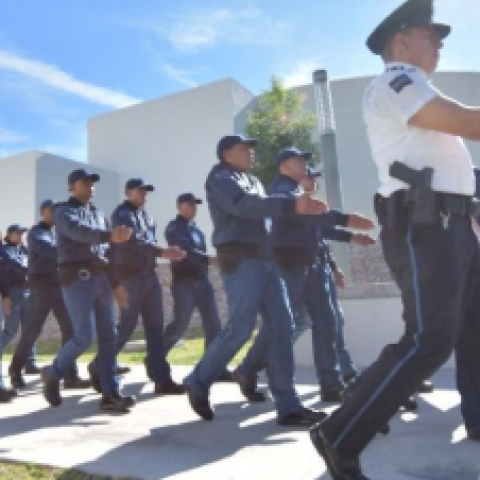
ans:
x=280 y=121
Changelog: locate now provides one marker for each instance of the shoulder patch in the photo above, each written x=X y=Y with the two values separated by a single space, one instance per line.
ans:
x=400 y=82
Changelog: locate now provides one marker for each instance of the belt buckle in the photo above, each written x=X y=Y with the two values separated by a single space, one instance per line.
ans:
x=84 y=274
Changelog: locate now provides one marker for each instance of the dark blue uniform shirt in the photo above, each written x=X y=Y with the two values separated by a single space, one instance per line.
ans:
x=238 y=207
x=42 y=251
x=17 y=261
x=186 y=235
x=82 y=234
x=4 y=284
x=139 y=254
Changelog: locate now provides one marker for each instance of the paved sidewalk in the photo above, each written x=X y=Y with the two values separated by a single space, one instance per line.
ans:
x=163 y=439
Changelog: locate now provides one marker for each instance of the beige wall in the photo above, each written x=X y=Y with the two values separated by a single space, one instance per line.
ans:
x=170 y=142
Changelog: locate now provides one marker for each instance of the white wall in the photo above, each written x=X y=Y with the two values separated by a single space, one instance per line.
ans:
x=170 y=142
x=17 y=190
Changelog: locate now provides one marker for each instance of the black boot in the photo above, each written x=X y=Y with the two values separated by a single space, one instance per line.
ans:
x=332 y=396
x=16 y=379
x=51 y=388
x=169 y=388
x=94 y=378
x=199 y=403
x=302 y=417
x=225 y=377
x=339 y=467
x=117 y=403
x=32 y=369
x=7 y=394
x=123 y=370
x=248 y=386
x=76 y=383
x=410 y=405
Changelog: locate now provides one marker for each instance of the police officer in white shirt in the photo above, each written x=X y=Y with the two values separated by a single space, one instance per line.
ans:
x=410 y=121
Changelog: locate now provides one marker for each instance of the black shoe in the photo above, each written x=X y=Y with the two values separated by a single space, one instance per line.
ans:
x=426 y=387
x=94 y=378
x=339 y=467
x=16 y=380
x=384 y=429
x=123 y=370
x=51 y=388
x=76 y=383
x=332 y=396
x=117 y=403
x=303 y=417
x=32 y=370
x=248 y=386
x=473 y=435
x=199 y=403
x=169 y=388
x=410 y=405
x=226 y=377
x=7 y=394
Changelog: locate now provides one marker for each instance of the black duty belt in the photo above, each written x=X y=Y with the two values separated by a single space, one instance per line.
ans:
x=458 y=205
x=69 y=272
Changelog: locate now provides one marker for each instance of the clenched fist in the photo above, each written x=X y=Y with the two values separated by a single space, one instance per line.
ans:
x=359 y=222
x=121 y=234
x=173 y=253
x=121 y=296
x=306 y=204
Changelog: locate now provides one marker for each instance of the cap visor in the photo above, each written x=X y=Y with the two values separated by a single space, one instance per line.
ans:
x=251 y=142
x=94 y=177
x=198 y=201
x=148 y=188
x=442 y=29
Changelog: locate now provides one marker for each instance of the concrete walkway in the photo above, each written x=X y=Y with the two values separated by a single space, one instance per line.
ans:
x=163 y=439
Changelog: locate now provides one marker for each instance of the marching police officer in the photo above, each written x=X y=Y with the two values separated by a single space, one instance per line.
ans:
x=238 y=208
x=6 y=394
x=139 y=292
x=191 y=287
x=300 y=253
x=426 y=235
x=83 y=240
x=45 y=296
x=17 y=263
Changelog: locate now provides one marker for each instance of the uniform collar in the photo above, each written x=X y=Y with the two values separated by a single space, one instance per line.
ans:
x=129 y=204
x=45 y=226
x=286 y=178
x=403 y=67
x=74 y=202
x=184 y=220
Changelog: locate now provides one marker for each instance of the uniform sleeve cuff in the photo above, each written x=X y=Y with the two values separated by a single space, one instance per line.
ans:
x=105 y=236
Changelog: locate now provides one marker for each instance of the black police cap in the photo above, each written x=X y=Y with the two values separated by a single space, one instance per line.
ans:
x=292 y=152
x=413 y=13
x=138 y=183
x=188 y=198
x=82 y=174
x=229 y=141
x=16 y=228
x=49 y=203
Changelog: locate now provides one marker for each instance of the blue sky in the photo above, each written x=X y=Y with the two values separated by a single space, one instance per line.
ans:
x=62 y=62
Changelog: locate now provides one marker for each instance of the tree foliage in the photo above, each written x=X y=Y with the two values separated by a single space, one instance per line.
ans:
x=280 y=121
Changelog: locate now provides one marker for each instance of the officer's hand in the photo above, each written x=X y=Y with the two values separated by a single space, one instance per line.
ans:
x=173 y=253
x=306 y=204
x=121 y=234
x=363 y=240
x=213 y=262
x=339 y=279
x=121 y=296
x=359 y=222
x=7 y=306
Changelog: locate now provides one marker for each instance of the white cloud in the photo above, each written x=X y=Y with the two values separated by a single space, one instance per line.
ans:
x=180 y=76
x=8 y=136
x=301 y=73
x=248 y=26
x=55 y=77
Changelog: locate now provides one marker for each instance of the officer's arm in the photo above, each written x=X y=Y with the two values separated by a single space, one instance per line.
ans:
x=125 y=218
x=175 y=238
x=41 y=244
x=237 y=201
x=68 y=224
x=445 y=115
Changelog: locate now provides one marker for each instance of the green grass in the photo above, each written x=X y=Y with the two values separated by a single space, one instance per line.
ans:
x=24 y=471
x=188 y=353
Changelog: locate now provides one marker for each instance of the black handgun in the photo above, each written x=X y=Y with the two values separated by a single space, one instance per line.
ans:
x=421 y=198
